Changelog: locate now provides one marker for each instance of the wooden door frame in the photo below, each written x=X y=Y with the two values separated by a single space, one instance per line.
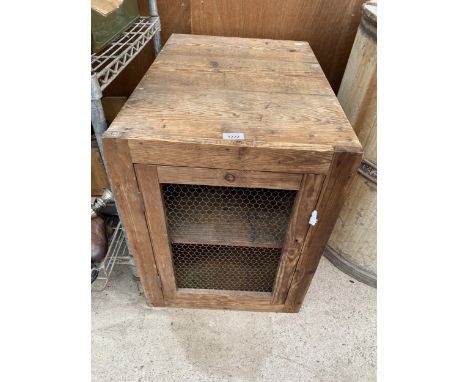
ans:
x=150 y=178
x=132 y=214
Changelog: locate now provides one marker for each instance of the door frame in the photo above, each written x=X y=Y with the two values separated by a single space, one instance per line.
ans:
x=150 y=178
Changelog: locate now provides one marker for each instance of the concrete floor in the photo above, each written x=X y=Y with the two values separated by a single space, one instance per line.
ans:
x=333 y=338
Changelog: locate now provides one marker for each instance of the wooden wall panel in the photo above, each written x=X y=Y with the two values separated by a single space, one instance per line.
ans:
x=143 y=7
x=99 y=179
x=175 y=17
x=126 y=82
x=328 y=25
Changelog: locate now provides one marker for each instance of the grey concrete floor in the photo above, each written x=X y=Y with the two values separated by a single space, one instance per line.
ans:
x=333 y=338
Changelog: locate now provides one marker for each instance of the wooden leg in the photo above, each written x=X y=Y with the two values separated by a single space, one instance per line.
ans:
x=128 y=198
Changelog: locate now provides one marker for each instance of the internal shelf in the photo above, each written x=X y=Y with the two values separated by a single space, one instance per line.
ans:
x=234 y=216
x=221 y=267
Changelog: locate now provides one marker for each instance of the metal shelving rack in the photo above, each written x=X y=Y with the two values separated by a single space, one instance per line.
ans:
x=105 y=67
x=117 y=254
x=108 y=64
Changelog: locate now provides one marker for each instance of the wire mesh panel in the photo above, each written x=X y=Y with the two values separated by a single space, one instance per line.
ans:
x=222 y=267
x=226 y=238
x=242 y=216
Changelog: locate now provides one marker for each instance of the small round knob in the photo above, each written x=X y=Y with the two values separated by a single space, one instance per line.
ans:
x=229 y=177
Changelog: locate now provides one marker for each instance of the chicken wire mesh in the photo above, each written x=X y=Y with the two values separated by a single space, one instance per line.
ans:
x=222 y=267
x=250 y=216
x=226 y=238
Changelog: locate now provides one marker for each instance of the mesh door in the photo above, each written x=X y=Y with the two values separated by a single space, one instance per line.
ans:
x=226 y=238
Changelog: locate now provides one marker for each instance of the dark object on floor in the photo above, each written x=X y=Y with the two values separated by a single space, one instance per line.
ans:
x=109 y=210
x=98 y=239
x=94 y=272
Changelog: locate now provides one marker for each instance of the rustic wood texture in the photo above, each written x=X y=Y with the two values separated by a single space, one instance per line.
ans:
x=175 y=17
x=354 y=237
x=355 y=234
x=229 y=177
x=281 y=118
x=343 y=168
x=112 y=106
x=156 y=220
x=329 y=26
x=132 y=215
x=305 y=203
x=232 y=301
x=99 y=179
x=143 y=7
x=358 y=90
x=277 y=96
x=205 y=152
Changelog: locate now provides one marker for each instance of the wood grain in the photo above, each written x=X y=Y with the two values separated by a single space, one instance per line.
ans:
x=240 y=48
x=277 y=104
x=305 y=203
x=355 y=234
x=99 y=179
x=112 y=106
x=175 y=17
x=354 y=237
x=229 y=177
x=127 y=196
x=329 y=26
x=358 y=90
x=200 y=154
x=156 y=220
x=143 y=7
x=343 y=168
x=231 y=301
x=277 y=96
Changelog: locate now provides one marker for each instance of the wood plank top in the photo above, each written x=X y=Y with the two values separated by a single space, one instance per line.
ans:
x=272 y=91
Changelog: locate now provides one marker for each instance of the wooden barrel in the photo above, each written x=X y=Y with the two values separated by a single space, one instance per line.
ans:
x=353 y=244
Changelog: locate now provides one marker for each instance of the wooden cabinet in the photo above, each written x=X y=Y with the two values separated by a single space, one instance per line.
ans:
x=220 y=161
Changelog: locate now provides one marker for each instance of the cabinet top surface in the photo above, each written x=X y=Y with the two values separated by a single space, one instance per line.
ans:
x=201 y=87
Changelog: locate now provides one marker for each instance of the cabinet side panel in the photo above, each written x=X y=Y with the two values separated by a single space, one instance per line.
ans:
x=343 y=168
x=126 y=193
x=305 y=202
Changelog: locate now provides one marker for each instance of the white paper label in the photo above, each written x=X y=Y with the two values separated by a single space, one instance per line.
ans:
x=235 y=136
x=313 y=218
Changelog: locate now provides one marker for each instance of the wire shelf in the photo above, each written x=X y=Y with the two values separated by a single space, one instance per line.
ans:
x=108 y=64
x=116 y=254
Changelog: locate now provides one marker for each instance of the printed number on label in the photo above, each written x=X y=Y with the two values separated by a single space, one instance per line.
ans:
x=233 y=135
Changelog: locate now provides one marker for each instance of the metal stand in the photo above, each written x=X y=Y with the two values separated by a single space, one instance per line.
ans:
x=117 y=254
x=105 y=67
x=154 y=16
